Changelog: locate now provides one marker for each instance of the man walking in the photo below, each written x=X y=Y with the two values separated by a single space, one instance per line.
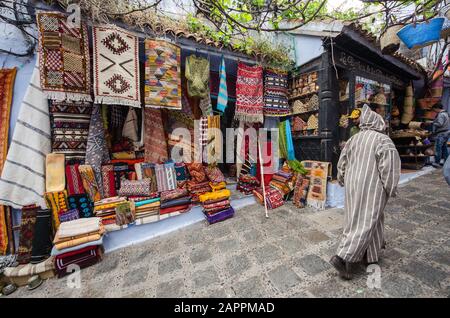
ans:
x=369 y=168
x=441 y=132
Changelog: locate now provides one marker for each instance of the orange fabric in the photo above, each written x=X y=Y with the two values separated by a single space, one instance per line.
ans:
x=7 y=77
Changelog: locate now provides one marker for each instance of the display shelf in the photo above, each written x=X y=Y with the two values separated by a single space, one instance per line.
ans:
x=303 y=95
x=307 y=113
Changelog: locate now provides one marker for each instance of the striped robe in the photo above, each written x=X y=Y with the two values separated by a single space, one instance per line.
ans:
x=23 y=177
x=369 y=168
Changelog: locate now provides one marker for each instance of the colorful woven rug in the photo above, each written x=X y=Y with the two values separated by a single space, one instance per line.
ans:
x=26 y=234
x=7 y=77
x=63 y=58
x=116 y=66
x=318 y=174
x=70 y=128
x=276 y=94
x=249 y=92
x=73 y=180
x=96 y=150
x=166 y=177
x=155 y=138
x=89 y=182
x=42 y=239
x=162 y=74
x=23 y=176
x=300 y=191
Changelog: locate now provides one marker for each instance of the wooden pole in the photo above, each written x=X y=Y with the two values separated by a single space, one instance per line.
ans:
x=262 y=177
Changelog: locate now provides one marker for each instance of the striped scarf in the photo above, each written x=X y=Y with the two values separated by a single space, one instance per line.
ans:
x=222 y=97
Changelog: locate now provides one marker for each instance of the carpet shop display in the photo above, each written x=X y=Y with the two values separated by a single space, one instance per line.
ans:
x=63 y=58
x=90 y=158
x=116 y=66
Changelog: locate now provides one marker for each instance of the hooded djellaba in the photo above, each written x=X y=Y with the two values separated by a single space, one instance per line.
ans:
x=369 y=169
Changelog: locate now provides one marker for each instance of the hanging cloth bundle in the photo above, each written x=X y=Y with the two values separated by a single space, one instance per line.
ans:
x=222 y=97
x=197 y=75
x=287 y=147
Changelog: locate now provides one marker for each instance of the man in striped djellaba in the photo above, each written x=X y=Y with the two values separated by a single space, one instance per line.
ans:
x=369 y=168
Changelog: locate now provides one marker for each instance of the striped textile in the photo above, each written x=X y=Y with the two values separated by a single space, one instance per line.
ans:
x=70 y=128
x=369 y=168
x=165 y=177
x=23 y=177
x=276 y=93
x=222 y=97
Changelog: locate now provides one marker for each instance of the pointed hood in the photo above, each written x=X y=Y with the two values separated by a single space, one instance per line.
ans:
x=370 y=120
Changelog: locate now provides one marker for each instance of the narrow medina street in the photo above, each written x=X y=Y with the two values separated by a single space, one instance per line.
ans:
x=283 y=256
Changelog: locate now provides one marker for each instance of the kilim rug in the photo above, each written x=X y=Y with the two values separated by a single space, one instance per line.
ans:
x=155 y=138
x=70 y=128
x=249 y=92
x=63 y=58
x=27 y=223
x=300 y=191
x=73 y=180
x=317 y=193
x=116 y=66
x=89 y=182
x=96 y=150
x=23 y=175
x=7 y=77
x=42 y=239
x=276 y=93
x=166 y=177
x=162 y=74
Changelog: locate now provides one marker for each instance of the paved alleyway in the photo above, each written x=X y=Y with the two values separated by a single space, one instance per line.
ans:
x=283 y=256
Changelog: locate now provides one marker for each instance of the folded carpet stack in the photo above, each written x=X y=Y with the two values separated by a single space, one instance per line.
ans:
x=147 y=207
x=174 y=202
x=283 y=181
x=78 y=242
x=105 y=209
x=274 y=197
x=216 y=205
x=247 y=183
x=198 y=188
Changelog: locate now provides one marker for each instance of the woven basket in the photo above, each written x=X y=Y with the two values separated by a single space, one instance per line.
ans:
x=389 y=41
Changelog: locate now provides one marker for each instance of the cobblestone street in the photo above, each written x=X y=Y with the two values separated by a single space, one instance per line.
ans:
x=283 y=256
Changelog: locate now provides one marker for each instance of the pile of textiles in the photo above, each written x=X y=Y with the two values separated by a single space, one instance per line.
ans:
x=247 y=183
x=274 y=197
x=198 y=188
x=106 y=209
x=216 y=205
x=147 y=207
x=174 y=202
x=78 y=242
x=283 y=181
